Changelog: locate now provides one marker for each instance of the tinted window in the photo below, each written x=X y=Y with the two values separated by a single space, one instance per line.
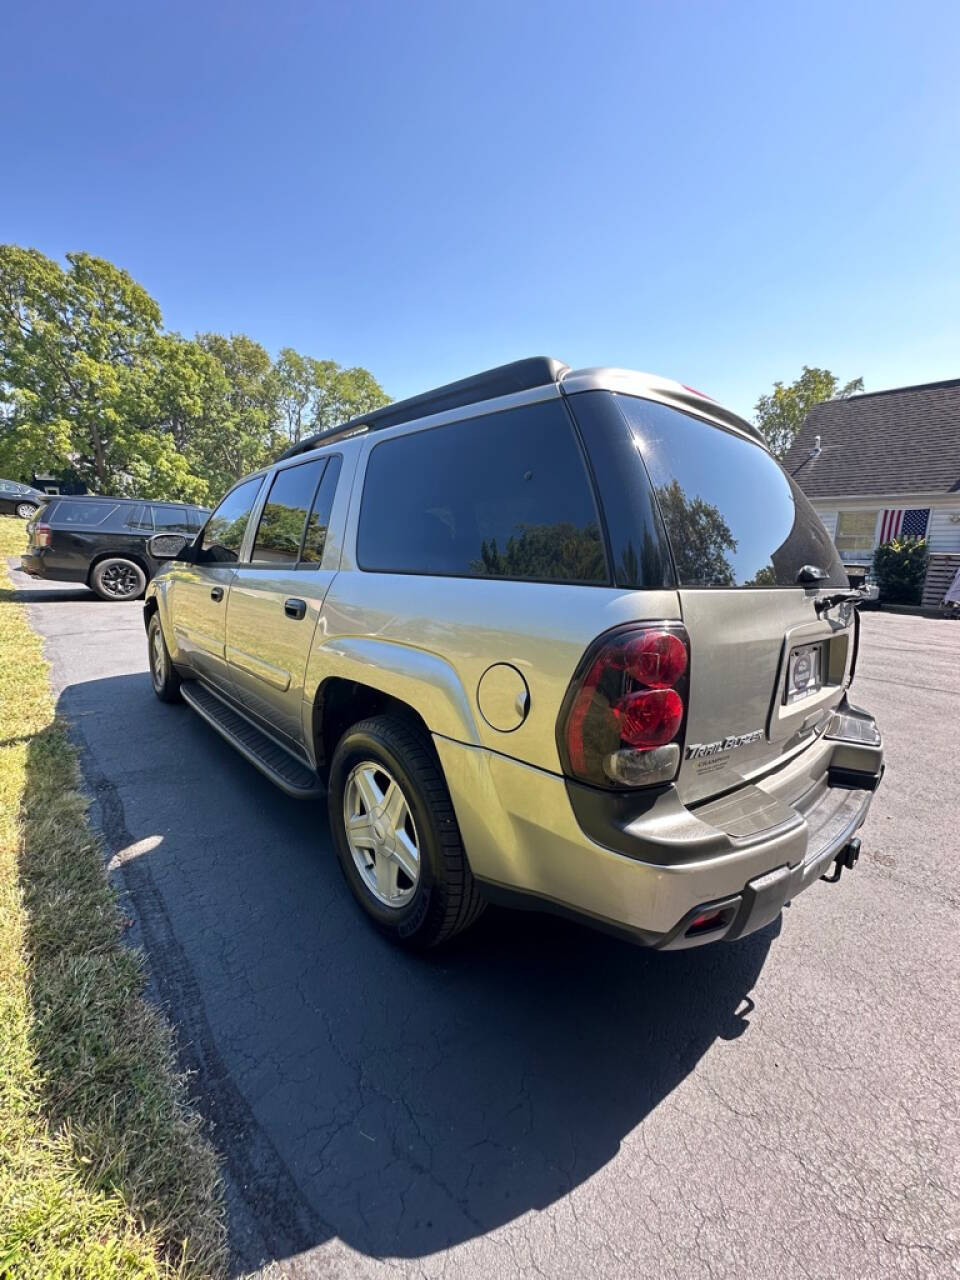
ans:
x=223 y=535
x=503 y=496
x=91 y=513
x=172 y=519
x=316 y=539
x=638 y=542
x=139 y=518
x=285 y=513
x=733 y=516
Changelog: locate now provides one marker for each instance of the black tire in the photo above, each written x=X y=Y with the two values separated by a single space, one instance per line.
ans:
x=446 y=899
x=27 y=510
x=118 y=579
x=163 y=674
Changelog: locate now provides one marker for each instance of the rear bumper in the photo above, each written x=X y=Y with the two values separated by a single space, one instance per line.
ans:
x=750 y=851
x=36 y=565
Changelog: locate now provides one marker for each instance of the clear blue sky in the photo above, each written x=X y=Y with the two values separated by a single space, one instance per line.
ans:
x=716 y=192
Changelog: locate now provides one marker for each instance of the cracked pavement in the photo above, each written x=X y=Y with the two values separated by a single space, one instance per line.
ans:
x=540 y=1099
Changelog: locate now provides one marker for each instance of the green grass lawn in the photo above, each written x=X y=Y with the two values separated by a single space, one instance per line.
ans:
x=104 y=1172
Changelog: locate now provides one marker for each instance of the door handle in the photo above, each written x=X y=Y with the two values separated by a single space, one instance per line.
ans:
x=295 y=608
x=216 y=593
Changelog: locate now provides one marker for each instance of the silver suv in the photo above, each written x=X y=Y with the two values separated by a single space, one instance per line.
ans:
x=568 y=640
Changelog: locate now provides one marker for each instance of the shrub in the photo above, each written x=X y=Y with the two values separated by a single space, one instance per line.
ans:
x=901 y=566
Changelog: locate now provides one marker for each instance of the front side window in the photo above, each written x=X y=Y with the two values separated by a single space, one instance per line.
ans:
x=733 y=517
x=502 y=496
x=222 y=536
x=856 y=532
x=285 y=513
x=172 y=519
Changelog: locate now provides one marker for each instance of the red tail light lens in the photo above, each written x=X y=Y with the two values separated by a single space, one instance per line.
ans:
x=649 y=718
x=41 y=535
x=656 y=659
x=622 y=719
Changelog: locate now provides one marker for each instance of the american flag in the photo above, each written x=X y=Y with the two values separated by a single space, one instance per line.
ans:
x=904 y=524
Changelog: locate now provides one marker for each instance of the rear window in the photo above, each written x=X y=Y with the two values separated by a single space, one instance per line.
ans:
x=502 y=496
x=734 y=518
x=75 y=512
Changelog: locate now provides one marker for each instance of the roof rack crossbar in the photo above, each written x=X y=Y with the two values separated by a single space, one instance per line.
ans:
x=506 y=379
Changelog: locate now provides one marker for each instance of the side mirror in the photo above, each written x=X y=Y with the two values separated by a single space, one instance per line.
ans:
x=166 y=546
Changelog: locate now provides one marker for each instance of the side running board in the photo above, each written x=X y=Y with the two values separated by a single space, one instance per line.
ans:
x=286 y=771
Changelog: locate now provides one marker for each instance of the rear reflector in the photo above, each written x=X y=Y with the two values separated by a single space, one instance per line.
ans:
x=708 y=921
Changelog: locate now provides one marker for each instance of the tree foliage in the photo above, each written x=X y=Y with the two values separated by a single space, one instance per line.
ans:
x=780 y=414
x=91 y=384
x=559 y=552
x=901 y=566
x=699 y=536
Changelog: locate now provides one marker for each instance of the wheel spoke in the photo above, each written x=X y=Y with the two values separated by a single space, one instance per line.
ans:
x=386 y=872
x=368 y=790
x=394 y=807
x=407 y=856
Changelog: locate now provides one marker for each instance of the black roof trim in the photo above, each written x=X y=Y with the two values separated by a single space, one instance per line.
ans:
x=105 y=497
x=506 y=379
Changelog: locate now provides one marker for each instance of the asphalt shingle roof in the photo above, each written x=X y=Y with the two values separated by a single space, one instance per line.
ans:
x=902 y=441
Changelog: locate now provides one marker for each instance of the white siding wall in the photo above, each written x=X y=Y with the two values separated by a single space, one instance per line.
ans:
x=943 y=535
x=829 y=518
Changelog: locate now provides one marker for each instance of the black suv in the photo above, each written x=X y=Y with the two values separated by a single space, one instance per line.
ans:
x=103 y=541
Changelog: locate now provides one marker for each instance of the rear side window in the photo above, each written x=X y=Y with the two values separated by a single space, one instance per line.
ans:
x=172 y=519
x=139 y=518
x=502 y=496
x=223 y=535
x=316 y=536
x=89 y=513
x=734 y=518
x=285 y=513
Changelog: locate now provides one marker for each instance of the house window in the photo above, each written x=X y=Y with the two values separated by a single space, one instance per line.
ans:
x=856 y=532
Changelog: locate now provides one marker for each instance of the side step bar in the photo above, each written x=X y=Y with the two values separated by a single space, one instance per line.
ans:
x=286 y=771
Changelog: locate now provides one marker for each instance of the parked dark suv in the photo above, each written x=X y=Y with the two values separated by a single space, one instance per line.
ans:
x=103 y=541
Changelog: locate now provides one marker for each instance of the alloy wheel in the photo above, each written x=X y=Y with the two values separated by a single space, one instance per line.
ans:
x=381 y=834
x=157 y=661
x=120 y=581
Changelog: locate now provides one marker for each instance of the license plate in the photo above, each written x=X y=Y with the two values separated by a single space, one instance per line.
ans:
x=803 y=672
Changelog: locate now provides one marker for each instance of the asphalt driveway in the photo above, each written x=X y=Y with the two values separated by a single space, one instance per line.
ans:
x=541 y=1099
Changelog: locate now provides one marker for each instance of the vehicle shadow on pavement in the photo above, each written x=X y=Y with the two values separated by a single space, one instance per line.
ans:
x=401 y=1103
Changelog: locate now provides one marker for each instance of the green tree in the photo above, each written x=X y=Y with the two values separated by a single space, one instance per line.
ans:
x=70 y=342
x=901 y=567
x=699 y=537
x=315 y=395
x=91 y=384
x=780 y=414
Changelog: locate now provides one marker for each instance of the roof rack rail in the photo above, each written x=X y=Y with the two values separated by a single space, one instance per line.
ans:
x=521 y=375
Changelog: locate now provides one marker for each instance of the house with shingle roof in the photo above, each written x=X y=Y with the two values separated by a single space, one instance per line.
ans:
x=886 y=464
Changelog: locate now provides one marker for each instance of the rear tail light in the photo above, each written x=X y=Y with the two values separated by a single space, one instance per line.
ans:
x=41 y=535
x=621 y=723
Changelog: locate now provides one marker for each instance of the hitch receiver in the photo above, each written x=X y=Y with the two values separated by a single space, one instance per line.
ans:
x=845 y=860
